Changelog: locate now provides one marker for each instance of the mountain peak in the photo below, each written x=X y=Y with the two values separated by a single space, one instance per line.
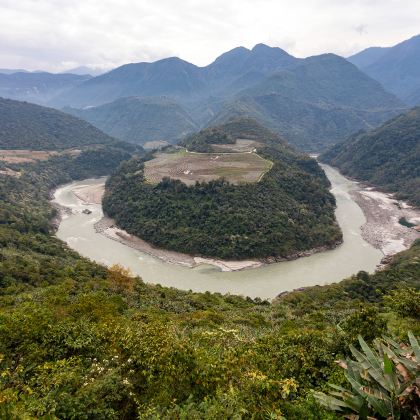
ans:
x=263 y=48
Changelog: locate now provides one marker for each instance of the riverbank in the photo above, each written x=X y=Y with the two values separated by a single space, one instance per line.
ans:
x=77 y=229
x=92 y=194
x=382 y=228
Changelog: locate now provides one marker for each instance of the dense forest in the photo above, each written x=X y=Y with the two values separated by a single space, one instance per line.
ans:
x=289 y=210
x=79 y=341
x=227 y=133
x=29 y=126
x=388 y=157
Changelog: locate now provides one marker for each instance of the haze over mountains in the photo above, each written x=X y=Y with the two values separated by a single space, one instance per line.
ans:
x=397 y=68
x=139 y=120
x=313 y=102
x=37 y=87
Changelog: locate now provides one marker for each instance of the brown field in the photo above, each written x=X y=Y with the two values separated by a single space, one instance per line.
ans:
x=241 y=146
x=188 y=167
x=28 y=156
x=155 y=144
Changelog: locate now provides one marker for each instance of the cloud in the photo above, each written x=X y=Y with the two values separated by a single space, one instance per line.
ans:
x=51 y=34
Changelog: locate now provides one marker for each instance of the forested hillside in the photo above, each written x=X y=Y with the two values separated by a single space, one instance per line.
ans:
x=139 y=120
x=388 y=157
x=28 y=126
x=80 y=341
x=288 y=211
x=319 y=101
x=397 y=68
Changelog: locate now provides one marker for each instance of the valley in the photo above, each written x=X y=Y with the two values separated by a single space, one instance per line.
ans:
x=213 y=241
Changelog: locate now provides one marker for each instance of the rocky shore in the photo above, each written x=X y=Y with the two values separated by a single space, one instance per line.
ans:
x=383 y=213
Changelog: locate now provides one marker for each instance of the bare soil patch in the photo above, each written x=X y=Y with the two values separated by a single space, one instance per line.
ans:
x=188 y=167
x=240 y=146
x=29 y=156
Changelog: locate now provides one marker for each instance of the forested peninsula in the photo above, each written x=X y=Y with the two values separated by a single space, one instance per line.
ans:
x=287 y=210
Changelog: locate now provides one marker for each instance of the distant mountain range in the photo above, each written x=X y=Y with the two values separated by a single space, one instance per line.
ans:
x=388 y=157
x=312 y=102
x=11 y=71
x=317 y=102
x=38 y=87
x=397 y=68
x=83 y=70
x=139 y=120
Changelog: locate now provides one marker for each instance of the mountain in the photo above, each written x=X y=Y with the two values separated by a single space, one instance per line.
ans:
x=29 y=126
x=241 y=67
x=397 y=68
x=388 y=157
x=170 y=77
x=414 y=97
x=368 y=56
x=11 y=71
x=83 y=70
x=179 y=79
x=37 y=87
x=315 y=103
x=139 y=120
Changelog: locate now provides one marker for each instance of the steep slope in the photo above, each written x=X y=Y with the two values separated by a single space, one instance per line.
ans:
x=39 y=87
x=30 y=126
x=286 y=211
x=240 y=67
x=316 y=103
x=139 y=120
x=398 y=69
x=388 y=156
x=368 y=56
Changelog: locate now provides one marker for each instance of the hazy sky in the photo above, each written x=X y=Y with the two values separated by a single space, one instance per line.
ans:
x=59 y=34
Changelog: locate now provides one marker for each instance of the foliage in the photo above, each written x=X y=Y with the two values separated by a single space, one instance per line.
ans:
x=405 y=301
x=388 y=156
x=78 y=340
x=385 y=381
x=202 y=141
x=29 y=126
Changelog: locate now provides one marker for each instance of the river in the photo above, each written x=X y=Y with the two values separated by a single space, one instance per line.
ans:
x=355 y=254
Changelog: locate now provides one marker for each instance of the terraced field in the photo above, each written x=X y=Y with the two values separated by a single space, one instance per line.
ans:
x=188 y=167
